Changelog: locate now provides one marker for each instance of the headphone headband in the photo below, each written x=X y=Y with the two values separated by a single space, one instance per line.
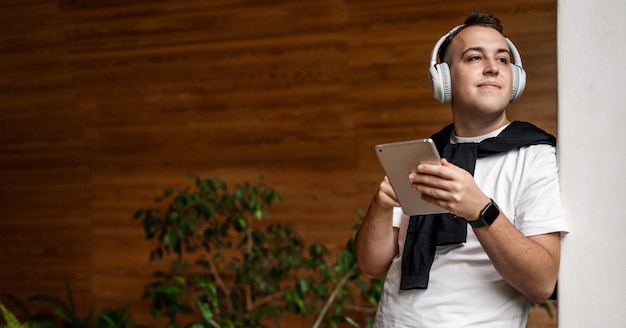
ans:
x=435 y=52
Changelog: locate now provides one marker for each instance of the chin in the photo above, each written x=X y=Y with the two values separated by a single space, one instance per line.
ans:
x=484 y=106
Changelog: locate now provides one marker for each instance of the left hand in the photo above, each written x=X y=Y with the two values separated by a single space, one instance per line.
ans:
x=450 y=187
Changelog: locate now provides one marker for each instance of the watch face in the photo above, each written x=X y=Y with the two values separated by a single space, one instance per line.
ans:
x=487 y=216
x=491 y=213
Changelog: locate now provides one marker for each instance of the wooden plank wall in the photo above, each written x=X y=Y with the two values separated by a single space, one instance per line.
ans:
x=105 y=103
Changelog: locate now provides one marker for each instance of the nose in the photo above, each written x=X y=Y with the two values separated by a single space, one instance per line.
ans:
x=491 y=67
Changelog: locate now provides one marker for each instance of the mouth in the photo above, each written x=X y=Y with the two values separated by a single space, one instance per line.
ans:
x=490 y=84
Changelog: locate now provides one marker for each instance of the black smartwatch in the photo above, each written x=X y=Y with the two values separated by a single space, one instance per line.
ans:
x=487 y=215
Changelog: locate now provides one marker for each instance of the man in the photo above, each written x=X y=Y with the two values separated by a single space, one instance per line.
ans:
x=505 y=219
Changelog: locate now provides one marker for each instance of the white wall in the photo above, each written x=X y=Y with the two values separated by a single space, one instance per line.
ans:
x=591 y=126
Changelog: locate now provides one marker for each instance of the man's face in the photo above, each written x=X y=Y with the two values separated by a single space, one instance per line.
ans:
x=480 y=71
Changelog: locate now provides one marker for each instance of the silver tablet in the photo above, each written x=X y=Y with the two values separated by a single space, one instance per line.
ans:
x=399 y=159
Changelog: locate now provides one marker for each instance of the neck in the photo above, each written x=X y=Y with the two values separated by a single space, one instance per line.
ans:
x=478 y=127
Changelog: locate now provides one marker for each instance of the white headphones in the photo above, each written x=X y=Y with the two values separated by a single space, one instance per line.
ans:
x=440 y=73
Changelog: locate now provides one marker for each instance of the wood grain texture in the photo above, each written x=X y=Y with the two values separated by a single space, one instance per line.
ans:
x=105 y=103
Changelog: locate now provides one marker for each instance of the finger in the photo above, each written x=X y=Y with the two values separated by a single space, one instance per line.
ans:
x=386 y=188
x=446 y=170
x=436 y=201
x=432 y=192
x=431 y=169
x=446 y=163
x=431 y=181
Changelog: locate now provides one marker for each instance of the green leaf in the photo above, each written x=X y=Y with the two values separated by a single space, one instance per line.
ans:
x=176 y=264
x=170 y=239
x=242 y=223
x=205 y=309
x=168 y=289
x=303 y=286
x=350 y=321
x=196 y=325
x=10 y=319
x=138 y=214
x=174 y=215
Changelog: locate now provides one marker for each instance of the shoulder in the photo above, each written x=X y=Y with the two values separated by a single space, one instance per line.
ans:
x=527 y=133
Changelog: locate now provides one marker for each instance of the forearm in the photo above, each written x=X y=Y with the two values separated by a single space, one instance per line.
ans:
x=376 y=241
x=529 y=264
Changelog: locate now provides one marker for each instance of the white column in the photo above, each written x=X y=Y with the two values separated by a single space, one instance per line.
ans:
x=592 y=158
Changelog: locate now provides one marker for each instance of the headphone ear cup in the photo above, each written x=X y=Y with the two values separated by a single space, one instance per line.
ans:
x=440 y=82
x=435 y=82
x=446 y=81
x=519 y=81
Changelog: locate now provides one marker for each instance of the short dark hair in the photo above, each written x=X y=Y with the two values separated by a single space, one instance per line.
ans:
x=477 y=17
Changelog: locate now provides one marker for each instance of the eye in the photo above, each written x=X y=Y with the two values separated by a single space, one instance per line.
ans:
x=474 y=58
x=503 y=60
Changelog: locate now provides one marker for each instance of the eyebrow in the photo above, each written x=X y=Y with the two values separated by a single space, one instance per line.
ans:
x=481 y=49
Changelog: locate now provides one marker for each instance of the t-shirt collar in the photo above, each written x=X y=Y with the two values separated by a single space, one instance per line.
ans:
x=455 y=139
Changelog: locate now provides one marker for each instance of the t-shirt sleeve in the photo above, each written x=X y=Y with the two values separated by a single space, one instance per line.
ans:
x=539 y=209
x=397 y=216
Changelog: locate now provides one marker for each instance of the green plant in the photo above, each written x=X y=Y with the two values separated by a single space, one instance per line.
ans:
x=229 y=269
x=64 y=314
x=10 y=319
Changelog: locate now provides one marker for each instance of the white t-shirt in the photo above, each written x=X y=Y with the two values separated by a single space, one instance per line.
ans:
x=464 y=289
